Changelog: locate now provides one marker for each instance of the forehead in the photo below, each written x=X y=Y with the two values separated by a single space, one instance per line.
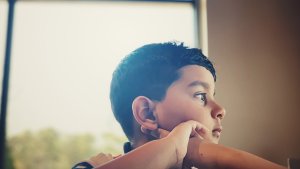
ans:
x=196 y=75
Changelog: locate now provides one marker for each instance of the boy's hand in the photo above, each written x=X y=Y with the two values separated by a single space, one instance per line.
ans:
x=180 y=137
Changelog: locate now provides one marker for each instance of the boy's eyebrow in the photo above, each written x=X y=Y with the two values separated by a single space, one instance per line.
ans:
x=203 y=84
x=199 y=83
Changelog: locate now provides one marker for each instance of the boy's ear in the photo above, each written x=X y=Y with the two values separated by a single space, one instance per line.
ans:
x=142 y=108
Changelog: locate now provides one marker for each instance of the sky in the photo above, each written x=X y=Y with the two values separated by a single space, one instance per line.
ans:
x=64 y=53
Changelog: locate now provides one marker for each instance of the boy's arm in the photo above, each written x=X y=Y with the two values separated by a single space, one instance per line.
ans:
x=164 y=153
x=155 y=154
x=169 y=151
x=209 y=155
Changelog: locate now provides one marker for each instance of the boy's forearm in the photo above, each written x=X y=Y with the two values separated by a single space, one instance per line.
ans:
x=217 y=156
x=158 y=154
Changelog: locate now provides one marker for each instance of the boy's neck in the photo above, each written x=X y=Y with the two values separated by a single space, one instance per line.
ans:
x=135 y=143
x=139 y=140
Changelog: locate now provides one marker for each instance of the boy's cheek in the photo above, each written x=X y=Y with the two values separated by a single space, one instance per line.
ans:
x=168 y=120
x=168 y=125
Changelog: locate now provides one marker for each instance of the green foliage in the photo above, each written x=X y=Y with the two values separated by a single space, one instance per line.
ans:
x=113 y=144
x=48 y=149
x=78 y=148
x=38 y=150
x=8 y=159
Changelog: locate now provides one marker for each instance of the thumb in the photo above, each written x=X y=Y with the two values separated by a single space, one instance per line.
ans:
x=159 y=133
x=162 y=132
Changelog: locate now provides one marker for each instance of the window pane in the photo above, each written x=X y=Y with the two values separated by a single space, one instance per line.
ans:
x=63 y=57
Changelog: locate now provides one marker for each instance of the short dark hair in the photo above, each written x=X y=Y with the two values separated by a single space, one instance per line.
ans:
x=149 y=71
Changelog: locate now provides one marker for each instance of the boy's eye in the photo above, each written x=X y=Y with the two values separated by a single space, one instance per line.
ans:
x=201 y=97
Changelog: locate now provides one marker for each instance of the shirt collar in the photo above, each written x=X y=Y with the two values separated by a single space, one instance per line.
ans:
x=127 y=147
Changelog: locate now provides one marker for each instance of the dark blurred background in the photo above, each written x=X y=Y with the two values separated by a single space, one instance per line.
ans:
x=255 y=45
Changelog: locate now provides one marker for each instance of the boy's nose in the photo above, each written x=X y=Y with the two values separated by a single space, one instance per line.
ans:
x=218 y=111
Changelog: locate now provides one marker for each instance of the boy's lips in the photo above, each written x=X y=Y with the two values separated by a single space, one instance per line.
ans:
x=217 y=132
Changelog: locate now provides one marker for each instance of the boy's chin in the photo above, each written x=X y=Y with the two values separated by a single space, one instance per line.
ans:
x=214 y=140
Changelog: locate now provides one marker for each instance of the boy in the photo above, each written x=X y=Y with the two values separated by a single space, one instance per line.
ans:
x=163 y=97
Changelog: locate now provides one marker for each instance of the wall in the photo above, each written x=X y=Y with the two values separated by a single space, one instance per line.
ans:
x=255 y=45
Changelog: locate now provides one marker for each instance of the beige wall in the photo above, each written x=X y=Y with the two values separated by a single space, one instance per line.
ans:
x=255 y=45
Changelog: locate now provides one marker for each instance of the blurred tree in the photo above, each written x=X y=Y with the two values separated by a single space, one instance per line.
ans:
x=112 y=143
x=47 y=149
x=40 y=150
x=79 y=147
x=8 y=159
x=21 y=147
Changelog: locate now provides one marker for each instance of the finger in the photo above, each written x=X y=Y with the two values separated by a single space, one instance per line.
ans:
x=162 y=133
x=195 y=134
x=202 y=130
x=158 y=133
x=198 y=129
x=150 y=132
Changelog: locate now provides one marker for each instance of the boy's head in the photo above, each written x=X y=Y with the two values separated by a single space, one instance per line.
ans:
x=162 y=85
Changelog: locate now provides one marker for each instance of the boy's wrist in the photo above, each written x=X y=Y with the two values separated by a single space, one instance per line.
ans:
x=217 y=156
x=170 y=144
x=203 y=155
x=191 y=157
x=177 y=157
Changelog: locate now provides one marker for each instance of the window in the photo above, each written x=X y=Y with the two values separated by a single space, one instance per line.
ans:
x=62 y=59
